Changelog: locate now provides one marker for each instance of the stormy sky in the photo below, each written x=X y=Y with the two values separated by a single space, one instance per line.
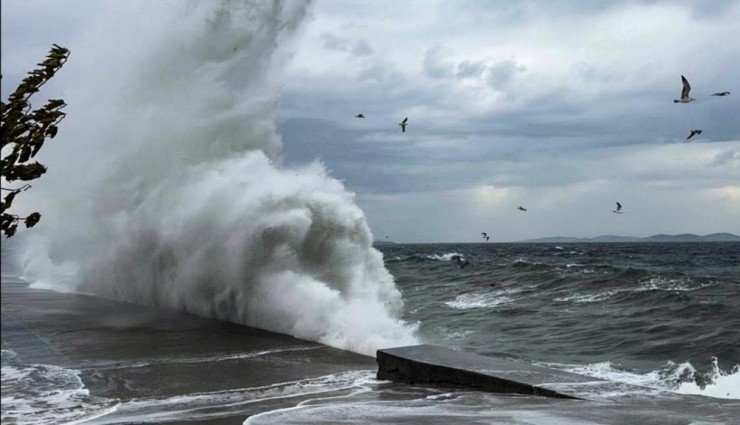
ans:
x=562 y=107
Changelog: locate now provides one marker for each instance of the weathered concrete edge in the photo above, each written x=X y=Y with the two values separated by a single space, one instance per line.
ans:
x=398 y=369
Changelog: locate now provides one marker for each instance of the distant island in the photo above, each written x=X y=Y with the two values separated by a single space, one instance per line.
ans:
x=684 y=237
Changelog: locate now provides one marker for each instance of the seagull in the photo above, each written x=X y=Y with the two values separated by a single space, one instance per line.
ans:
x=487 y=238
x=459 y=261
x=619 y=209
x=693 y=133
x=403 y=124
x=485 y=235
x=359 y=116
x=724 y=93
x=522 y=208
x=685 y=98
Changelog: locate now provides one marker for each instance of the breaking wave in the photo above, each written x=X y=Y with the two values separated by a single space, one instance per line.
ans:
x=680 y=378
x=425 y=257
x=184 y=203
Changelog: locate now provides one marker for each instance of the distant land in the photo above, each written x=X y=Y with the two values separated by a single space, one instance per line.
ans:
x=684 y=237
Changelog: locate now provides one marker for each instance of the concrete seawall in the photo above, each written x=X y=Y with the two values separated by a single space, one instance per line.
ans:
x=438 y=365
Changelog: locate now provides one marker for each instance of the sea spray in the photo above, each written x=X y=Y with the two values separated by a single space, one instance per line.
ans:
x=181 y=201
x=681 y=378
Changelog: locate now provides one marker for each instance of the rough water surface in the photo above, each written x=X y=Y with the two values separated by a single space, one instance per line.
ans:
x=653 y=314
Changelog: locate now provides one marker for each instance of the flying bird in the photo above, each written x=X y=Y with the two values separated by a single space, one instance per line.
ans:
x=724 y=93
x=459 y=261
x=403 y=124
x=521 y=208
x=484 y=234
x=619 y=209
x=685 y=98
x=360 y=116
x=693 y=133
x=487 y=238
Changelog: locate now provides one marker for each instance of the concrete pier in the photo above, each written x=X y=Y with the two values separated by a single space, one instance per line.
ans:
x=439 y=365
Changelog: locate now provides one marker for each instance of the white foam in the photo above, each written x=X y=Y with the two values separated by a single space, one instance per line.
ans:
x=213 y=405
x=655 y=378
x=203 y=359
x=586 y=298
x=723 y=384
x=673 y=377
x=427 y=410
x=444 y=257
x=484 y=300
x=661 y=283
x=184 y=203
x=454 y=335
x=655 y=283
x=46 y=394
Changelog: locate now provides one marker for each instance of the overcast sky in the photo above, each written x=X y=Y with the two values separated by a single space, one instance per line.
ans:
x=561 y=107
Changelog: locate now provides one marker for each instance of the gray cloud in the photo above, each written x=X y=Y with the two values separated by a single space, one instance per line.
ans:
x=725 y=157
x=502 y=72
x=333 y=42
x=435 y=66
x=358 y=48
x=362 y=48
x=471 y=69
x=558 y=105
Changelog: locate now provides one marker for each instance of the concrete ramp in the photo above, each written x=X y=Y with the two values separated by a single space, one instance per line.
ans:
x=438 y=365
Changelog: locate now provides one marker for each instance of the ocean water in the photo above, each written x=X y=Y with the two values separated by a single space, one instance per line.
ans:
x=664 y=315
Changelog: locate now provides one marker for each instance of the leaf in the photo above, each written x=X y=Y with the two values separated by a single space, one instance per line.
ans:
x=10 y=230
x=55 y=103
x=9 y=200
x=25 y=154
x=32 y=219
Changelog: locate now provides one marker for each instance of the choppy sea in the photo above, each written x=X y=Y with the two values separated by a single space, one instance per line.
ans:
x=655 y=314
x=665 y=317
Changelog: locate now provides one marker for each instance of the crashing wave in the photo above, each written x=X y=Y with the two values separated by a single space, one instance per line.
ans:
x=185 y=204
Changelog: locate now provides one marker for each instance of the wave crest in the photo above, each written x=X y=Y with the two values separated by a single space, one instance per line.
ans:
x=680 y=378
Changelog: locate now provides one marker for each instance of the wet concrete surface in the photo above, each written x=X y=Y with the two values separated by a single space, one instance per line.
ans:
x=432 y=364
x=126 y=352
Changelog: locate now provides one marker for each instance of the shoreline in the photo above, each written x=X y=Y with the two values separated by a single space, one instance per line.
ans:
x=141 y=364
